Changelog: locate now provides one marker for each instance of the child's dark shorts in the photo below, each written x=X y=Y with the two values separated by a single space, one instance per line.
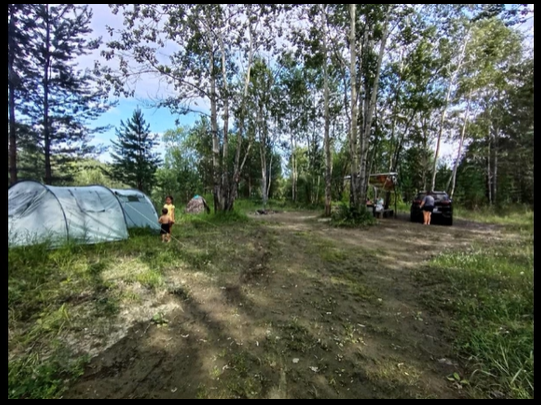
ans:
x=166 y=229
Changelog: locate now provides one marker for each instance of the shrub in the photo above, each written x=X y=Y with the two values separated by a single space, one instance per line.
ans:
x=345 y=216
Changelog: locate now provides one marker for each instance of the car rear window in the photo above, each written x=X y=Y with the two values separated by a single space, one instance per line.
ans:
x=437 y=196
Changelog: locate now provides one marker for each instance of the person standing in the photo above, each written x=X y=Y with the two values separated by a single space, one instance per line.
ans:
x=427 y=205
x=165 y=221
x=170 y=209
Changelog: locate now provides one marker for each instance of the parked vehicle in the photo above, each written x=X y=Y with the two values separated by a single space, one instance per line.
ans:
x=443 y=208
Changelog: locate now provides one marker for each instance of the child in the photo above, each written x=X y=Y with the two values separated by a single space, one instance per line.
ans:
x=165 y=220
x=170 y=209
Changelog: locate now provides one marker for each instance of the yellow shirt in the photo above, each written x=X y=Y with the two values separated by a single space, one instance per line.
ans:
x=170 y=211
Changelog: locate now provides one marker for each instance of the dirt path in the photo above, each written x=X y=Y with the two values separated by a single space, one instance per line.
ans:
x=304 y=311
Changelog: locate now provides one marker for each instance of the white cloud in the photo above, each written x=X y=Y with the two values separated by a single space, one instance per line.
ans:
x=148 y=86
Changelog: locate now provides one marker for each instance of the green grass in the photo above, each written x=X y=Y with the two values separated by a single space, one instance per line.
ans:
x=488 y=292
x=47 y=289
x=54 y=294
x=514 y=219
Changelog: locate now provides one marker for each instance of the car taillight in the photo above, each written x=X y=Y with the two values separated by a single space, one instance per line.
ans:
x=445 y=202
x=417 y=201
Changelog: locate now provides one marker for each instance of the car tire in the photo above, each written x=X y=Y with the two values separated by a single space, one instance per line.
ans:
x=449 y=221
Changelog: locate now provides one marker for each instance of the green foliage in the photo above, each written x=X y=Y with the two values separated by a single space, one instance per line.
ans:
x=32 y=378
x=61 y=101
x=348 y=217
x=134 y=160
x=187 y=169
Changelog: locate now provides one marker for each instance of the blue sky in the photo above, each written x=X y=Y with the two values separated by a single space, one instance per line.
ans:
x=160 y=120
x=149 y=87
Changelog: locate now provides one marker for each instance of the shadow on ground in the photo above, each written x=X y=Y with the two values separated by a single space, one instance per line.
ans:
x=308 y=311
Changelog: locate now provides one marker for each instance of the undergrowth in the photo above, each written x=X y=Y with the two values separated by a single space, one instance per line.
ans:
x=345 y=216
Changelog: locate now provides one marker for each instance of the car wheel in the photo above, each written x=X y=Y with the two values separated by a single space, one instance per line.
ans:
x=449 y=221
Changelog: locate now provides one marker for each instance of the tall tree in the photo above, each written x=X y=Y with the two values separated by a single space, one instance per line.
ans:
x=135 y=160
x=378 y=20
x=64 y=99
x=355 y=186
x=212 y=51
x=20 y=25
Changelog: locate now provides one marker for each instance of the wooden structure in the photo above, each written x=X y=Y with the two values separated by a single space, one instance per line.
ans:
x=386 y=183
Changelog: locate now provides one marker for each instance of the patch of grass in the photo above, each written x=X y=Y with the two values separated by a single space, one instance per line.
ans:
x=489 y=292
x=54 y=294
x=393 y=374
x=202 y=392
x=32 y=378
x=514 y=219
x=50 y=291
x=345 y=216
x=298 y=339
x=333 y=255
x=246 y=388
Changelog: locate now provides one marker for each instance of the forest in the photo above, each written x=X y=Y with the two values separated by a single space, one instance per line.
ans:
x=291 y=100
x=280 y=115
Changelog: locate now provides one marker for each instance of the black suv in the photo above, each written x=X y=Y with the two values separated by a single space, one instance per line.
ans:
x=443 y=208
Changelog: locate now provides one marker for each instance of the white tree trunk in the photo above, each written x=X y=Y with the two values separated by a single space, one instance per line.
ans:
x=489 y=169
x=226 y=191
x=327 y=140
x=495 y=173
x=238 y=165
x=370 y=113
x=460 y=145
x=353 y=126
x=446 y=107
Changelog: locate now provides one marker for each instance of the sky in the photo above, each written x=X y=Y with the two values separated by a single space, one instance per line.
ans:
x=160 y=120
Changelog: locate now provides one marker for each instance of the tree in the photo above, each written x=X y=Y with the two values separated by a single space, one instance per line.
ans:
x=19 y=26
x=187 y=169
x=63 y=100
x=210 y=63
x=134 y=157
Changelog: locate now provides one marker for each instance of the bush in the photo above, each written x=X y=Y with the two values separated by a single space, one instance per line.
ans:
x=345 y=216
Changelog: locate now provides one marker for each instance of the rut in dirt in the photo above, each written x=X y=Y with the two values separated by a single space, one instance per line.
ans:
x=314 y=312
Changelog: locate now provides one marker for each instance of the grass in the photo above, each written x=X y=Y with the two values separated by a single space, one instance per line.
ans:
x=54 y=295
x=488 y=290
x=514 y=219
x=47 y=293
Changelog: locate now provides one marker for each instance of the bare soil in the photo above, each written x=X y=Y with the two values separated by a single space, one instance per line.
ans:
x=305 y=310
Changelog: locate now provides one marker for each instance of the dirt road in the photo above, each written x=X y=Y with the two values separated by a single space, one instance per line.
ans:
x=303 y=310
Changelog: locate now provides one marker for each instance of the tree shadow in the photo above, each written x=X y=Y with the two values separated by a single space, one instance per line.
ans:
x=287 y=324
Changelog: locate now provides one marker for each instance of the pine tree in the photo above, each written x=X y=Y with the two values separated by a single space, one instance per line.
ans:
x=135 y=161
x=19 y=26
x=64 y=100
